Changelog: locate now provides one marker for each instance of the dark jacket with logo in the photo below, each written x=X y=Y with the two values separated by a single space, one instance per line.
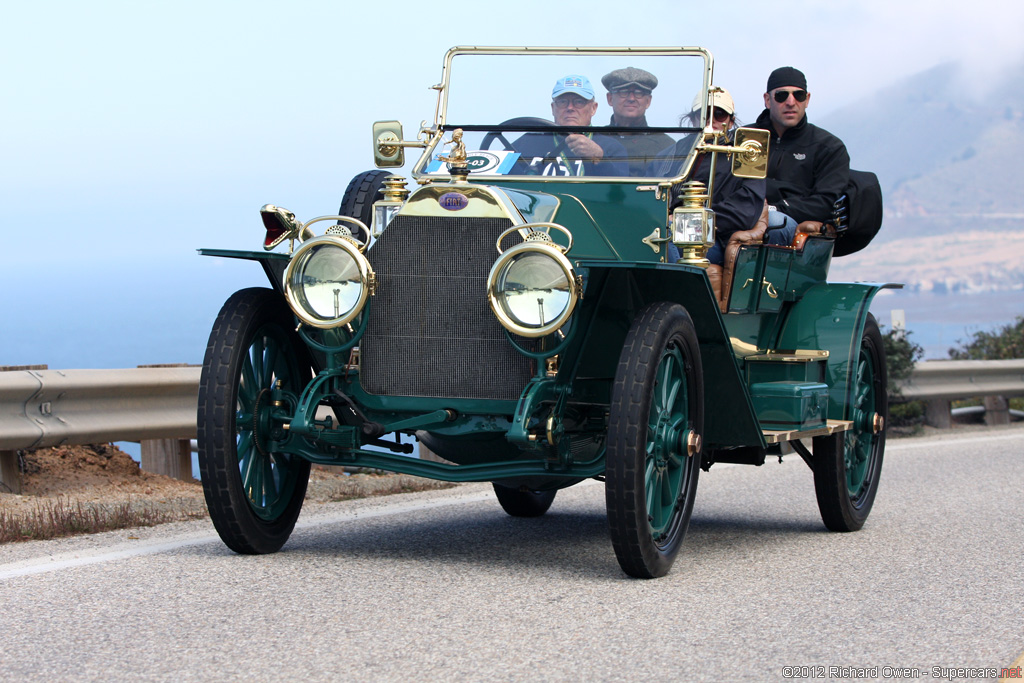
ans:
x=808 y=169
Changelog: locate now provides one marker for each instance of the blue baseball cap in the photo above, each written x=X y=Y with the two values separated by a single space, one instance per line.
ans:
x=573 y=84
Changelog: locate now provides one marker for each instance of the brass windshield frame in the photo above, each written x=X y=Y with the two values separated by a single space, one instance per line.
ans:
x=441 y=110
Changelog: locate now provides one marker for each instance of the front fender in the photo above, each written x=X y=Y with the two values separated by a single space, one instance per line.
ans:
x=616 y=292
x=273 y=263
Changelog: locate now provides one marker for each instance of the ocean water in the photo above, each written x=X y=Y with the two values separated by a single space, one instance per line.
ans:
x=105 y=317
x=939 y=322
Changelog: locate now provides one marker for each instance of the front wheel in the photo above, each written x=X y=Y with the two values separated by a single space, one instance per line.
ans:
x=253 y=492
x=656 y=418
x=847 y=465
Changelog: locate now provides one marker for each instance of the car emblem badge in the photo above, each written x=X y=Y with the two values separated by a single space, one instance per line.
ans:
x=453 y=201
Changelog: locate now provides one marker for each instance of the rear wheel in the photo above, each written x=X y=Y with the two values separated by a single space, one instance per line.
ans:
x=254 y=493
x=655 y=421
x=847 y=465
x=523 y=502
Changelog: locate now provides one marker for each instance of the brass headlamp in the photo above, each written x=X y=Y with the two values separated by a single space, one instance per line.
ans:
x=693 y=225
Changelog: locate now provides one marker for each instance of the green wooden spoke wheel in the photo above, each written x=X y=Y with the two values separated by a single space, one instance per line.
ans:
x=655 y=423
x=847 y=465
x=253 y=492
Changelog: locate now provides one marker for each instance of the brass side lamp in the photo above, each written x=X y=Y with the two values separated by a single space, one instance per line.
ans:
x=693 y=225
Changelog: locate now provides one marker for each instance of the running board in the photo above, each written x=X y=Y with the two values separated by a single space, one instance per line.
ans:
x=831 y=427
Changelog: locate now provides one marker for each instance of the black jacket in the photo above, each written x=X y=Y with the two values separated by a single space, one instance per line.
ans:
x=737 y=202
x=808 y=169
x=641 y=146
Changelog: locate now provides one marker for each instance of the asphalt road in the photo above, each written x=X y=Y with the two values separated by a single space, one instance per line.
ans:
x=444 y=586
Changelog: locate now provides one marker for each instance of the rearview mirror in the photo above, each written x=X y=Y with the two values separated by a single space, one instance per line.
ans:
x=387 y=148
x=750 y=160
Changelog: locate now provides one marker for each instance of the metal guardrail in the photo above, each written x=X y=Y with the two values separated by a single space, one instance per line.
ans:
x=953 y=379
x=40 y=408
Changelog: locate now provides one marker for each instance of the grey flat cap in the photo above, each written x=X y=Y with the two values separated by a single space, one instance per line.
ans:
x=628 y=77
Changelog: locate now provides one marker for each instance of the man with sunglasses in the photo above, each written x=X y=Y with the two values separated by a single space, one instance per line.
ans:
x=808 y=167
x=577 y=153
x=630 y=92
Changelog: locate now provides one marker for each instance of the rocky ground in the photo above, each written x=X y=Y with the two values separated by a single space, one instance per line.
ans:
x=104 y=474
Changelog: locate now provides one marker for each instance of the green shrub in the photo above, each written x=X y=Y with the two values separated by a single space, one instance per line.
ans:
x=901 y=354
x=907 y=414
x=1004 y=343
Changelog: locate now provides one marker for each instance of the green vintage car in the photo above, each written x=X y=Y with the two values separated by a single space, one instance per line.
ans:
x=511 y=305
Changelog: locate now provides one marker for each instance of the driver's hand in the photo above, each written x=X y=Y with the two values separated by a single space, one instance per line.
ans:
x=582 y=146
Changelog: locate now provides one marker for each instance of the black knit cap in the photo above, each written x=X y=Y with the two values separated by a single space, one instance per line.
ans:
x=786 y=75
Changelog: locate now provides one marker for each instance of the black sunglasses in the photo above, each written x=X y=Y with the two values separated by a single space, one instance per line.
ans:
x=783 y=95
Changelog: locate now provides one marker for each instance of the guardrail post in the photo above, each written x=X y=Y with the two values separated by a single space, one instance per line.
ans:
x=169 y=457
x=10 y=474
x=997 y=410
x=936 y=413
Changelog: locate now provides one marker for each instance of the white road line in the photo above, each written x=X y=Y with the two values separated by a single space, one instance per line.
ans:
x=52 y=563
x=124 y=551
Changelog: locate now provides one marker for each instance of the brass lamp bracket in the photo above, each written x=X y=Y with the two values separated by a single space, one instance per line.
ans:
x=655 y=240
x=537 y=232
x=341 y=231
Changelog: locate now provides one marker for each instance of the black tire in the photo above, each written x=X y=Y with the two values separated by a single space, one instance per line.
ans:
x=657 y=403
x=847 y=465
x=254 y=495
x=523 y=502
x=357 y=202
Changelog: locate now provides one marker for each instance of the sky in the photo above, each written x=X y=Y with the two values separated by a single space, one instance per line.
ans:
x=133 y=133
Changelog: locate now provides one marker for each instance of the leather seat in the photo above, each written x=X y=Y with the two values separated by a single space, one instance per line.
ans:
x=753 y=236
x=721 y=276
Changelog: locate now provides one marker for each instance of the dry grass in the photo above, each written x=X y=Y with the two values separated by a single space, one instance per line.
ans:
x=57 y=517
x=70 y=490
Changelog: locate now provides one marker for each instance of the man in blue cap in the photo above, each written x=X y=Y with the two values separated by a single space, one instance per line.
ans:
x=808 y=167
x=576 y=153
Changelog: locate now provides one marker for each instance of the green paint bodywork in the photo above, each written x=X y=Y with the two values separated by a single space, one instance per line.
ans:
x=553 y=435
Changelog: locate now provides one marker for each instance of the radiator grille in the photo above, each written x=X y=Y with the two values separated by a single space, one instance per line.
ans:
x=431 y=332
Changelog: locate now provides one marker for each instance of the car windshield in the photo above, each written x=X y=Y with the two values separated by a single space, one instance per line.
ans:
x=583 y=113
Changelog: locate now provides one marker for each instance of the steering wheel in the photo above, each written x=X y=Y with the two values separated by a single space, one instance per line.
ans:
x=518 y=121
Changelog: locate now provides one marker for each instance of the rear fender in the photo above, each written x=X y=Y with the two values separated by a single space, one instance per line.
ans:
x=831 y=316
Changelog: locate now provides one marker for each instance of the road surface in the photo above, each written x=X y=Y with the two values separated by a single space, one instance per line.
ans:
x=442 y=585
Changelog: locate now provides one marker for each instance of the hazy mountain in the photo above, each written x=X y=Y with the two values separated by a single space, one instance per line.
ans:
x=949 y=156
x=939 y=144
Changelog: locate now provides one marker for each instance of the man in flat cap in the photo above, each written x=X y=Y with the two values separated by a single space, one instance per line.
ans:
x=808 y=167
x=575 y=153
x=630 y=92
